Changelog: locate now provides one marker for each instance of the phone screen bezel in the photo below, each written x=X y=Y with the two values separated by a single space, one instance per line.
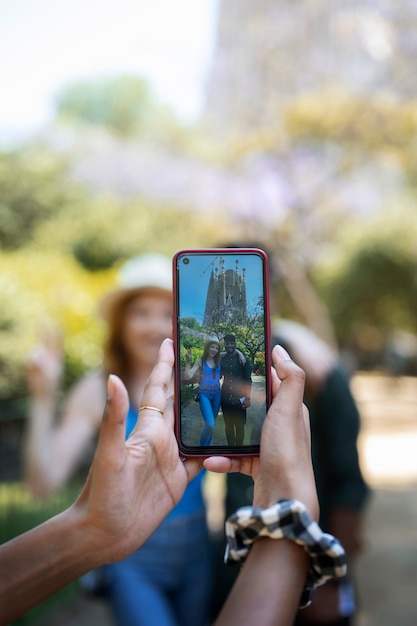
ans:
x=224 y=450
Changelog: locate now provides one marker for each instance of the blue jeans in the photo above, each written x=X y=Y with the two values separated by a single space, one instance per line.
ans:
x=209 y=407
x=167 y=582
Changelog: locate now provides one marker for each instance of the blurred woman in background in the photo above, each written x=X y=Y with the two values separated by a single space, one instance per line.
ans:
x=167 y=581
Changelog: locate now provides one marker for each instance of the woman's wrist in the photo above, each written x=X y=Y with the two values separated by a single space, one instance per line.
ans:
x=267 y=500
x=268 y=493
x=86 y=542
x=288 y=520
x=79 y=549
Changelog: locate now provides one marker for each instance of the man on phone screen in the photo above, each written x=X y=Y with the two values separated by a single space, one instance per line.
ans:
x=236 y=389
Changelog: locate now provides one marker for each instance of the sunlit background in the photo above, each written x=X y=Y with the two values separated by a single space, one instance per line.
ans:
x=131 y=126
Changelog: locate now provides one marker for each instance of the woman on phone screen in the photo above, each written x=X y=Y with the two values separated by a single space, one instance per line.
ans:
x=208 y=368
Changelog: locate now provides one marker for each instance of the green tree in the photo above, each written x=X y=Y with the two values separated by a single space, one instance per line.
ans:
x=375 y=127
x=378 y=289
x=249 y=337
x=34 y=186
x=37 y=288
x=370 y=285
x=125 y=105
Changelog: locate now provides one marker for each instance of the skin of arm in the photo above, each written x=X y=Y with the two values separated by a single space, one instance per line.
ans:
x=107 y=523
x=269 y=586
x=53 y=451
x=190 y=372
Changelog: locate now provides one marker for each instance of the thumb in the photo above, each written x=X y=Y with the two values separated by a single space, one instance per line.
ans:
x=113 y=428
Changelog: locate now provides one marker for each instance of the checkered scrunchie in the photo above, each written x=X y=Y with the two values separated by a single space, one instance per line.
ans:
x=287 y=519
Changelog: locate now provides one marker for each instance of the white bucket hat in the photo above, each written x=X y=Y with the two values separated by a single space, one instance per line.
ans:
x=147 y=271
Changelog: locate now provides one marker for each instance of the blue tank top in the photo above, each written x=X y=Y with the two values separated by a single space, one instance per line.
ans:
x=207 y=379
x=192 y=500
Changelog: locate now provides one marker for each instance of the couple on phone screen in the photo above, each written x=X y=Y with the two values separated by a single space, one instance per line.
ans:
x=233 y=395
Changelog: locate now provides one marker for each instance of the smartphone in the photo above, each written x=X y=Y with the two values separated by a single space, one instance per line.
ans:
x=222 y=350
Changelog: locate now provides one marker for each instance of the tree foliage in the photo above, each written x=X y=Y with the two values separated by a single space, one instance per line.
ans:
x=34 y=187
x=378 y=288
x=62 y=243
x=37 y=288
x=370 y=285
x=66 y=254
x=249 y=337
x=124 y=105
x=376 y=126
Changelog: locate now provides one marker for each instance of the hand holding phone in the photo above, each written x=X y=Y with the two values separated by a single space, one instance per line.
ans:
x=222 y=350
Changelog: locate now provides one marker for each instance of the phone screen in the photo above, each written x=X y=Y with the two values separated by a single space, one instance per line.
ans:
x=222 y=350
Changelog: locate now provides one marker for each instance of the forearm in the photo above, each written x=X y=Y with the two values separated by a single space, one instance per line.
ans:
x=268 y=589
x=190 y=371
x=39 y=448
x=37 y=564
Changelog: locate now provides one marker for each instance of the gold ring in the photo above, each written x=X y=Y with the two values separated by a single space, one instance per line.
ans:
x=153 y=408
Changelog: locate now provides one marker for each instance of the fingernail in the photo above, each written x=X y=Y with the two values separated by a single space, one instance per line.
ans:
x=110 y=383
x=282 y=353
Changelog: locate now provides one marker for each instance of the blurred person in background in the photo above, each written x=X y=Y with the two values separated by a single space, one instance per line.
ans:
x=335 y=425
x=167 y=581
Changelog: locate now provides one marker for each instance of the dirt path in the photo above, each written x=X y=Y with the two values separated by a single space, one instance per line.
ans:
x=192 y=420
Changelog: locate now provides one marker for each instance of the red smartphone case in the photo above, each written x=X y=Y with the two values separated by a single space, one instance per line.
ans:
x=197 y=451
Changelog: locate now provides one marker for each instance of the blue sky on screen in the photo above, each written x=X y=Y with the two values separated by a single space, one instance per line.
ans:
x=196 y=275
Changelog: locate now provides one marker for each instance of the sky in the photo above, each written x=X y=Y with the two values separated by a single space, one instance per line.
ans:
x=48 y=44
x=195 y=277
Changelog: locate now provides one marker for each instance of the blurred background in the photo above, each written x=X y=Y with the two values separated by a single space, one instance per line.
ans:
x=129 y=127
